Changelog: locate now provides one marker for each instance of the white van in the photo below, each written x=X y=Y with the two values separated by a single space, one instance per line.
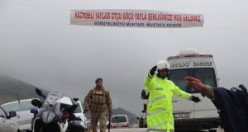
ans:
x=189 y=115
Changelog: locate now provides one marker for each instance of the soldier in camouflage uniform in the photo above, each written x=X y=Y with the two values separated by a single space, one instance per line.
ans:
x=98 y=102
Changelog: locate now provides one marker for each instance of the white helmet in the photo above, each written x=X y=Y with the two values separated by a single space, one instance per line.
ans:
x=162 y=64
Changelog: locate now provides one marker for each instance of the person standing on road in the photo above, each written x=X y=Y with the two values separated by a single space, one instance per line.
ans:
x=161 y=90
x=98 y=102
x=232 y=104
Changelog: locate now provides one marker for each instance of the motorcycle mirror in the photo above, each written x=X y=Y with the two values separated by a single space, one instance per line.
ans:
x=38 y=92
x=75 y=99
x=36 y=102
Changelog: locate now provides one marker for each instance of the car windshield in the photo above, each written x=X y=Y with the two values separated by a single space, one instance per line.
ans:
x=117 y=119
x=78 y=109
x=15 y=106
x=206 y=75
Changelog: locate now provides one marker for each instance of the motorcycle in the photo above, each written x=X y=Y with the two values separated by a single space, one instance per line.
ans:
x=55 y=113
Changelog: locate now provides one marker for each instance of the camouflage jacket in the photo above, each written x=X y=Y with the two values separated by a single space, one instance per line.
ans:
x=98 y=100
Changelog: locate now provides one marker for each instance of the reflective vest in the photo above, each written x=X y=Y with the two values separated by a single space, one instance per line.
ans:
x=160 y=108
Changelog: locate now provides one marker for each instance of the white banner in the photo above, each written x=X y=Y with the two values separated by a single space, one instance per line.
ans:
x=135 y=18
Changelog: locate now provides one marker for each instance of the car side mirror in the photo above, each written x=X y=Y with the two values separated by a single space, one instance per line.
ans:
x=12 y=114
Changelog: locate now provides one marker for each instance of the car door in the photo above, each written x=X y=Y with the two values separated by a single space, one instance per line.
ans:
x=6 y=125
x=3 y=120
x=24 y=116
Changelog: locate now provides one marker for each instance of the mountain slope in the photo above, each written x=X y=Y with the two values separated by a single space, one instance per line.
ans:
x=12 y=89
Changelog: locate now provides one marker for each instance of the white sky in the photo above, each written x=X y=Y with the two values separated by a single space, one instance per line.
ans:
x=39 y=46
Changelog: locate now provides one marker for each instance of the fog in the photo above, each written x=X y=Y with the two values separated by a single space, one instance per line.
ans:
x=39 y=46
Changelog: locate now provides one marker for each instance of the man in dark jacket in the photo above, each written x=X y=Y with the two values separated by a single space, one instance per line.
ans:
x=232 y=104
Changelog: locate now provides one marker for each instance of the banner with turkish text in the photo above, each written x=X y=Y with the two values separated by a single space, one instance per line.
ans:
x=135 y=18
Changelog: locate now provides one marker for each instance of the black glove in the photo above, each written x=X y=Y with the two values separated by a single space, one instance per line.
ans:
x=195 y=99
x=143 y=94
x=152 y=71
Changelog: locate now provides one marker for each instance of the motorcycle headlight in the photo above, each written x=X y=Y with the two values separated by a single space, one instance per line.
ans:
x=47 y=116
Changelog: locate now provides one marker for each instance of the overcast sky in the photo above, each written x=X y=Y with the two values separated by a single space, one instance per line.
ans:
x=39 y=46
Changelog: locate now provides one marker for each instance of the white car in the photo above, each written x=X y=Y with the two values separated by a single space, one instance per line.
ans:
x=119 y=121
x=6 y=122
x=79 y=113
x=22 y=109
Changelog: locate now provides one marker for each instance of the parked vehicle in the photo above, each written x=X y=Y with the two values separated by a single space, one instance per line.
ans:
x=80 y=123
x=6 y=122
x=55 y=114
x=80 y=114
x=188 y=115
x=22 y=109
x=119 y=121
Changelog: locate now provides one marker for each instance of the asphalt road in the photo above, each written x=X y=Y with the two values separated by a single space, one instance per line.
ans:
x=144 y=130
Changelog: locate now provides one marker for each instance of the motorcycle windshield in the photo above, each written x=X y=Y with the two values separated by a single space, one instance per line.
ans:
x=51 y=98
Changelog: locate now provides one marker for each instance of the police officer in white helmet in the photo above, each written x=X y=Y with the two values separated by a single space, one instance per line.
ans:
x=161 y=91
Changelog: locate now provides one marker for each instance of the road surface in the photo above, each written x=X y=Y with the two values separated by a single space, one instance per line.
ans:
x=144 y=130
